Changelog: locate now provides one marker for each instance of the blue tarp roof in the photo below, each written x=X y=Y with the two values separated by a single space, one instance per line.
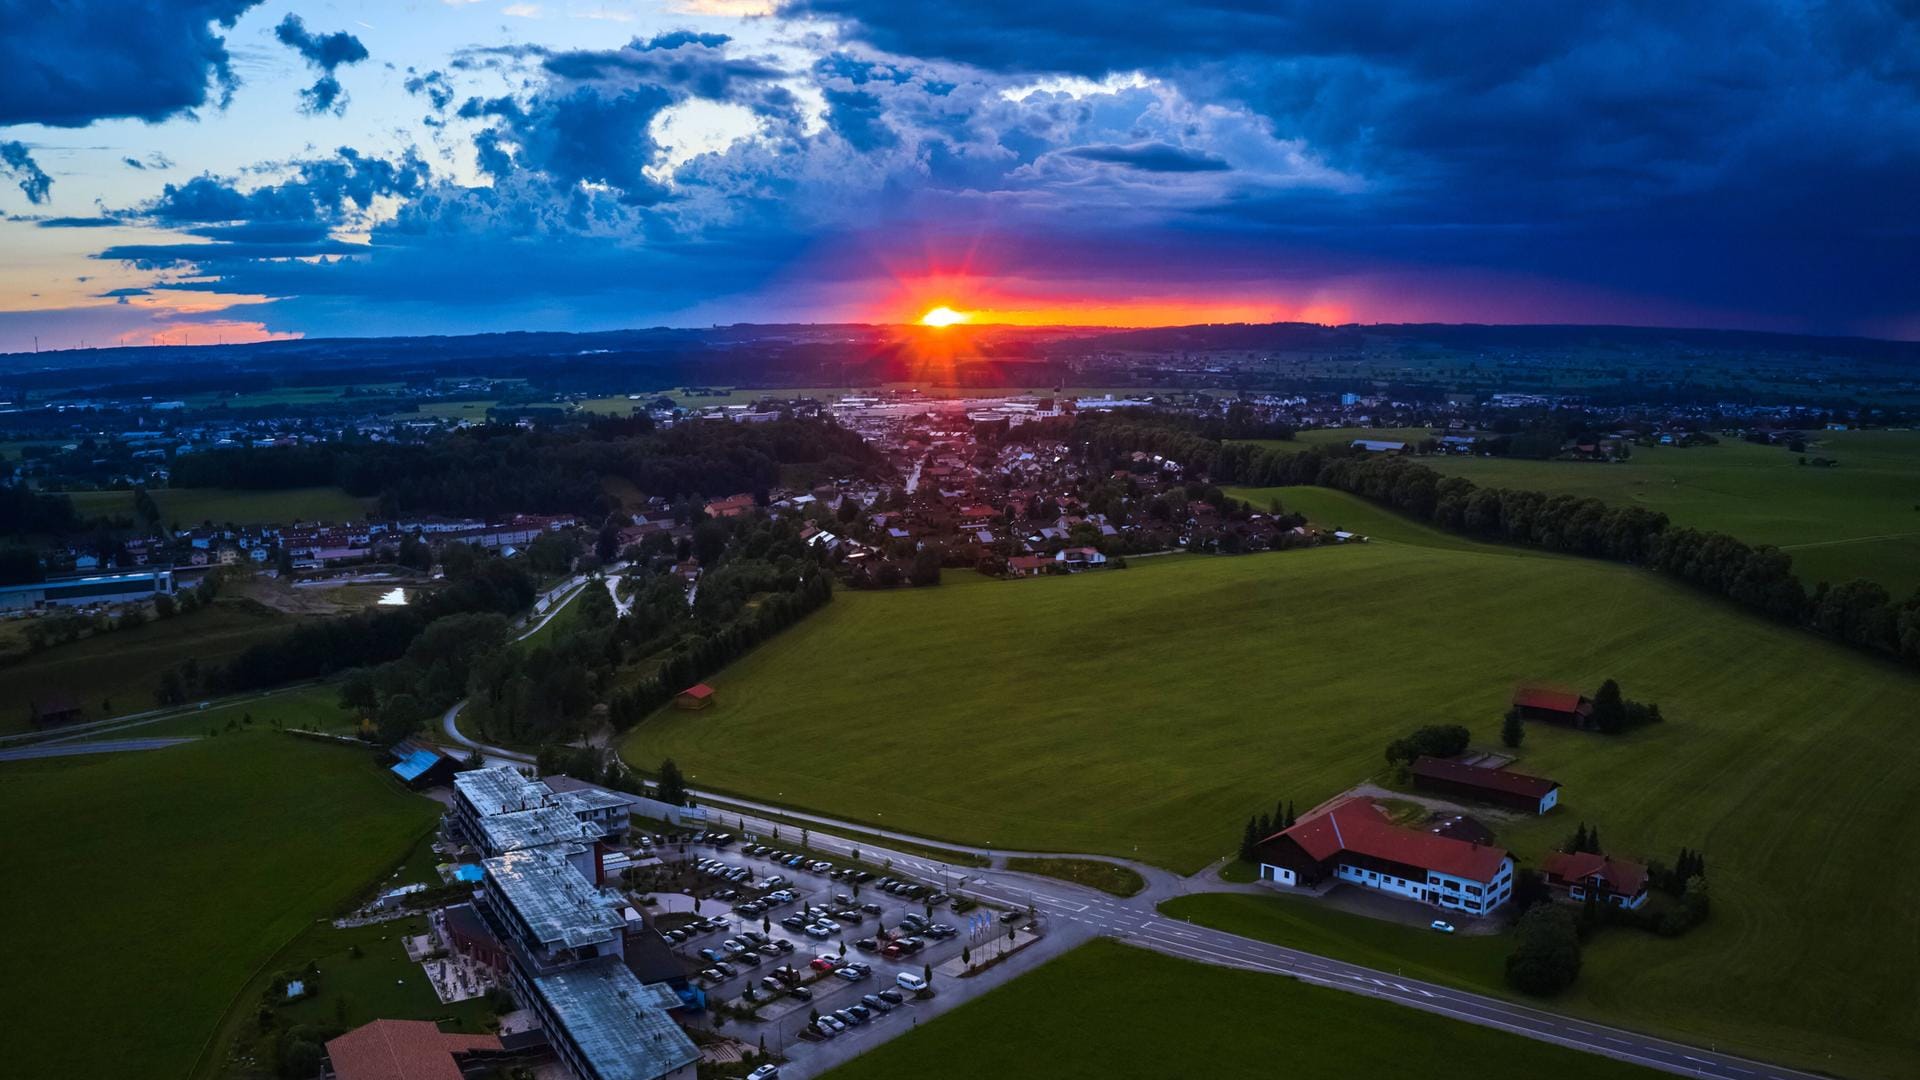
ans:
x=415 y=763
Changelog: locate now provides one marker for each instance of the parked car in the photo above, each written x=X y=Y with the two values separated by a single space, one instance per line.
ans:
x=851 y=974
x=1442 y=926
x=910 y=982
x=710 y=955
x=860 y=1012
x=819 y=930
x=712 y=975
x=848 y=1017
x=772 y=984
x=794 y=922
x=765 y=1072
x=892 y=996
x=877 y=1003
x=783 y=945
x=800 y=992
x=725 y=969
x=1011 y=916
x=870 y=908
x=835 y=1022
x=823 y=963
x=867 y=944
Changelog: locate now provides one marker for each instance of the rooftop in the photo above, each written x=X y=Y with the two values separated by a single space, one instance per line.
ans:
x=402 y=1050
x=1356 y=825
x=414 y=762
x=619 y=1024
x=499 y=789
x=558 y=905
x=542 y=826
x=1510 y=783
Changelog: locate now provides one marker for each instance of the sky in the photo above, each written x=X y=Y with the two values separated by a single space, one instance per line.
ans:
x=191 y=171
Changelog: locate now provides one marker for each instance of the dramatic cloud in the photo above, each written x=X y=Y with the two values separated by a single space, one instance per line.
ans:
x=18 y=165
x=69 y=63
x=325 y=53
x=1151 y=157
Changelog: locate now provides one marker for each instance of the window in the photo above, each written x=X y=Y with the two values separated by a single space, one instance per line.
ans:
x=1473 y=890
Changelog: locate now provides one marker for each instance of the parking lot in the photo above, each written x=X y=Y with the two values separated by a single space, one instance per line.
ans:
x=842 y=934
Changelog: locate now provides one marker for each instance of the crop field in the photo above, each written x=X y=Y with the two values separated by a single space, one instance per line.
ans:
x=145 y=890
x=191 y=506
x=1109 y=1010
x=1112 y=713
x=1858 y=519
x=118 y=672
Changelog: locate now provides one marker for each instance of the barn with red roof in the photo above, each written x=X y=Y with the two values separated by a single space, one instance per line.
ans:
x=1353 y=842
x=1554 y=704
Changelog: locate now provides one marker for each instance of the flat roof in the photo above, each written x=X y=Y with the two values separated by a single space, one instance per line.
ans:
x=619 y=1024
x=499 y=789
x=587 y=799
x=559 y=906
x=542 y=826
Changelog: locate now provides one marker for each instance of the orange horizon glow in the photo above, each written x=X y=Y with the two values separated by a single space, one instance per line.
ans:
x=945 y=316
x=947 y=300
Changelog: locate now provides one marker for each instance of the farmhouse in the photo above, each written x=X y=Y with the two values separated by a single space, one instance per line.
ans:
x=1353 y=842
x=1611 y=881
x=697 y=696
x=1535 y=795
x=1553 y=705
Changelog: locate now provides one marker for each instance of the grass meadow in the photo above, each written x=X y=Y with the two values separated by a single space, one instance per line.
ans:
x=191 y=506
x=1859 y=519
x=1109 y=1010
x=115 y=673
x=1146 y=712
x=145 y=890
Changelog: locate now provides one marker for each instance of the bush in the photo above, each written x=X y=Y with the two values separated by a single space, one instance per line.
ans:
x=1434 y=740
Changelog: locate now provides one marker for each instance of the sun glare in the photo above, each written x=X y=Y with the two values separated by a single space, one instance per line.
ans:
x=943 y=316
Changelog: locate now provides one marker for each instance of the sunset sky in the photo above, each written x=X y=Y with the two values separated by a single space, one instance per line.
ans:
x=201 y=170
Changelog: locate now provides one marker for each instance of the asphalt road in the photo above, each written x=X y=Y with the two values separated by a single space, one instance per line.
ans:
x=101 y=746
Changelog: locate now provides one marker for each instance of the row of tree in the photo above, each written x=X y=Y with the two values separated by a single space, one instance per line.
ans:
x=1261 y=826
x=1860 y=612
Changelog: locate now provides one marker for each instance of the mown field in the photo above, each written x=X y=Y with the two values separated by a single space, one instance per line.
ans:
x=191 y=506
x=145 y=890
x=1147 y=712
x=1860 y=519
x=118 y=672
x=1107 y=1011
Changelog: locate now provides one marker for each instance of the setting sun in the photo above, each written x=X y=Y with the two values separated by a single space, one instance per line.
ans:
x=943 y=316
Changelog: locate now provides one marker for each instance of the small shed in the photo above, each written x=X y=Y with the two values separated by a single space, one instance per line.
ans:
x=54 y=710
x=697 y=696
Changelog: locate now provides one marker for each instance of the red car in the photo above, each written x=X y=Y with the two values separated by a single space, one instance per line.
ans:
x=824 y=963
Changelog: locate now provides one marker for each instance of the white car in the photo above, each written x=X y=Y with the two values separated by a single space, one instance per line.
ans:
x=909 y=981
x=819 y=930
x=1442 y=925
x=765 y=1072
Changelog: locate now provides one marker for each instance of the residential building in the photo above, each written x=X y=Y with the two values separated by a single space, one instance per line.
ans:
x=1575 y=875
x=1501 y=787
x=1353 y=842
x=407 y=1050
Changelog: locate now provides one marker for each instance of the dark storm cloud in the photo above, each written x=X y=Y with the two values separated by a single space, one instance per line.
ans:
x=1150 y=157
x=695 y=63
x=326 y=53
x=78 y=222
x=1748 y=156
x=69 y=63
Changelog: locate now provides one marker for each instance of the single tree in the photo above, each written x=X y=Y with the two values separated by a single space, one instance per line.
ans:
x=1512 y=729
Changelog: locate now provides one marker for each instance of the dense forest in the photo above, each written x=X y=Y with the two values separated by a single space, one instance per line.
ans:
x=1859 y=612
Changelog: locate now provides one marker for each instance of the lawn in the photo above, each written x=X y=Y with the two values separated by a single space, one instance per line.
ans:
x=1861 y=519
x=313 y=707
x=1093 y=873
x=188 y=507
x=1145 y=713
x=1107 y=1010
x=144 y=891
x=116 y=673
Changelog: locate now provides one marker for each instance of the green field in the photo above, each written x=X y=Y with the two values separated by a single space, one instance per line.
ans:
x=1032 y=715
x=1861 y=519
x=314 y=707
x=144 y=891
x=116 y=673
x=190 y=506
x=1093 y=873
x=1107 y=1011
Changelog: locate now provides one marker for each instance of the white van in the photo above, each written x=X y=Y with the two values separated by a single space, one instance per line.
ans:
x=909 y=981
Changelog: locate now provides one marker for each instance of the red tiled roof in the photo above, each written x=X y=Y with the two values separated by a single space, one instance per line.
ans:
x=1621 y=875
x=1356 y=825
x=698 y=690
x=1551 y=699
x=402 y=1050
x=1511 y=783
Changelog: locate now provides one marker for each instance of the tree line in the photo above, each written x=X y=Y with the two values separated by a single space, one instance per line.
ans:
x=498 y=469
x=1759 y=577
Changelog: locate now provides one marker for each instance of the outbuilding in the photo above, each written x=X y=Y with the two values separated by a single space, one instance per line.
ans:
x=1534 y=794
x=697 y=696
